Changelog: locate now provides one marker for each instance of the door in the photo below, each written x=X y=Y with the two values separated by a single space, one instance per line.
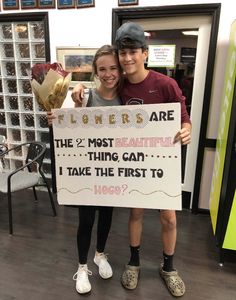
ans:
x=203 y=19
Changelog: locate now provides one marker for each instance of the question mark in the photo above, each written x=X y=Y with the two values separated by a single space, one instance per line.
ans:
x=124 y=187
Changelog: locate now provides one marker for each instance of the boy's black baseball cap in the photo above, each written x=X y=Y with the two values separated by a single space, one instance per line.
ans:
x=130 y=35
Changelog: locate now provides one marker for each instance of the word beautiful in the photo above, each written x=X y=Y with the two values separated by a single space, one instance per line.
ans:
x=111 y=118
x=119 y=142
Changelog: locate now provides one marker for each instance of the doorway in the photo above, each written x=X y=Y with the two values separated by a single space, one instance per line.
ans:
x=173 y=52
x=168 y=22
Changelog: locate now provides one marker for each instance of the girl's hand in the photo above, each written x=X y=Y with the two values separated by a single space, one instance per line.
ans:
x=50 y=117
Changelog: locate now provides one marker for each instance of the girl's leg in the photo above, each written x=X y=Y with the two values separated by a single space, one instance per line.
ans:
x=86 y=221
x=104 y=225
x=103 y=228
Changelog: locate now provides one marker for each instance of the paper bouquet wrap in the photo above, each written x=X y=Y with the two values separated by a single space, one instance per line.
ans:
x=50 y=84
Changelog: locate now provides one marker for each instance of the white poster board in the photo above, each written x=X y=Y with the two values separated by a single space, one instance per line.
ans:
x=118 y=156
x=161 y=56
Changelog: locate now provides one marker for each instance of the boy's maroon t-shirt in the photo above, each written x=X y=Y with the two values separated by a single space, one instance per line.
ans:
x=155 y=88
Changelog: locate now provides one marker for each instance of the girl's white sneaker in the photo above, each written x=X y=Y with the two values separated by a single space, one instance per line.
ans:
x=104 y=268
x=83 y=285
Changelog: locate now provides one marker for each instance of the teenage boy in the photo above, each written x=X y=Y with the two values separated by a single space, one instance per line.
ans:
x=142 y=86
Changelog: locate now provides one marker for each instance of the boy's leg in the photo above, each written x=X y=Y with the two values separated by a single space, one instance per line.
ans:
x=169 y=233
x=130 y=276
x=135 y=226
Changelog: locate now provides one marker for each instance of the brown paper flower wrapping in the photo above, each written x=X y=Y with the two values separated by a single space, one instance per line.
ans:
x=50 y=84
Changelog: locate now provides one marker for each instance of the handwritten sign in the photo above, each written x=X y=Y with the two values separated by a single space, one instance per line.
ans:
x=118 y=156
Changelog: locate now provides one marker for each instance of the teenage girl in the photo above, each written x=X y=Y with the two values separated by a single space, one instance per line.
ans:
x=107 y=70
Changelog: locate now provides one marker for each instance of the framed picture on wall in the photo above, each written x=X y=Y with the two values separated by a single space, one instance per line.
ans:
x=78 y=61
x=85 y=3
x=28 y=4
x=65 y=4
x=46 y=4
x=127 y=2
x=10 y=4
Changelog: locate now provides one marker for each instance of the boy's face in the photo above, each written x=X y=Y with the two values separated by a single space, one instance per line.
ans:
x=132 y=60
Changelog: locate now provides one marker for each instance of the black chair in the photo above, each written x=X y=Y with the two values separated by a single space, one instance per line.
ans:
x=25 y=177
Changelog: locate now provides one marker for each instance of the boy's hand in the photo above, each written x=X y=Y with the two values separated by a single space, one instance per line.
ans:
x=183 y=136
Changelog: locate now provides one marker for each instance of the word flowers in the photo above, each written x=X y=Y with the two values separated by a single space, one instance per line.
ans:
x=112 y=118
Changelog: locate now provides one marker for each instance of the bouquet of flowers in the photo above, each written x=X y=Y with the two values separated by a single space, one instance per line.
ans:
x=50 y=84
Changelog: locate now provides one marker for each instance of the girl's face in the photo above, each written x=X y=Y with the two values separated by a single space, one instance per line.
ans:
x=108 y=71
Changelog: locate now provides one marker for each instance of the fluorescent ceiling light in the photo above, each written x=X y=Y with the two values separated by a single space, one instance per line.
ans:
x=147 y=33
x=189 y=32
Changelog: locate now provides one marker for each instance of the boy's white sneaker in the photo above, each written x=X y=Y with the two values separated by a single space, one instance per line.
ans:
x=83 y=285
x=104 y=268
